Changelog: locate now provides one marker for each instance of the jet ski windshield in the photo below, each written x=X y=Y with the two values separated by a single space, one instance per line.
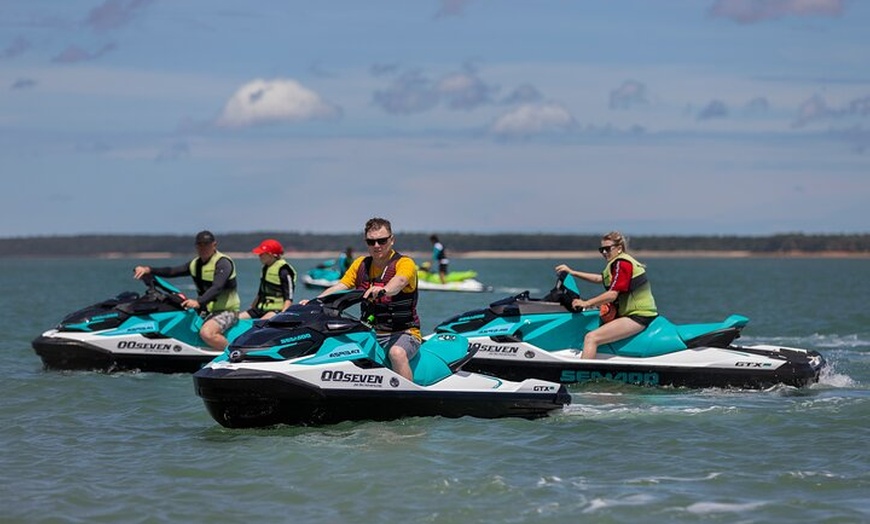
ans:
x=317 y=311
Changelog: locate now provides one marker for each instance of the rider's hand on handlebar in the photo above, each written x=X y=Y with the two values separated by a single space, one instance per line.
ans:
x=374 y=293
x=578 y=304
x=190 y=303
x=140 y=271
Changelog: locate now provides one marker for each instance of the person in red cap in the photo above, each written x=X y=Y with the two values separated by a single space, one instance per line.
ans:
x=277 y=282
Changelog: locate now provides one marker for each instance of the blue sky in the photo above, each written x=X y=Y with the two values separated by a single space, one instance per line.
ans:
x=653 y=117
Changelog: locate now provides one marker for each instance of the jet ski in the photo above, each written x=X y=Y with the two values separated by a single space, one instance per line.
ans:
x=316 y=364
x=520 y=337
x=148 y=332
x=453 y=281
x=324 y=275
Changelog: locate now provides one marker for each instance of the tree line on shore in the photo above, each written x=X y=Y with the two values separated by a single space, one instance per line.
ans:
x=100 y=245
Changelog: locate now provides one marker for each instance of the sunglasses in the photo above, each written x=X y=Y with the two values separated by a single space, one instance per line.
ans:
x=605 y=249
x=379 y=241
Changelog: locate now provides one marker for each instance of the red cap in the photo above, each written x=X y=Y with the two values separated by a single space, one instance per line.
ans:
x=271 y=246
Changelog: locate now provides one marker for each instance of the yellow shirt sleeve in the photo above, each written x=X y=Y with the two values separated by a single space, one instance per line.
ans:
x=349 y=277
x=408 y=269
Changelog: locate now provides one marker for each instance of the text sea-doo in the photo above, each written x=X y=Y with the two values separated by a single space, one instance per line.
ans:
x=520 y=337
x=151 y=332
x=314 y=364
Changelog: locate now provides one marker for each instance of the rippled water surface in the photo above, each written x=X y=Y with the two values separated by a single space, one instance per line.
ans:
x=140 y=447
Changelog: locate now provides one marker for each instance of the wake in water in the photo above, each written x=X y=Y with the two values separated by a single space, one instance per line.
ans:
x=843 y=353
x=516 y=290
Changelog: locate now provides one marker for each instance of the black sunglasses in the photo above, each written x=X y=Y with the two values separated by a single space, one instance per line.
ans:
x=605 y=249
x=379 y=241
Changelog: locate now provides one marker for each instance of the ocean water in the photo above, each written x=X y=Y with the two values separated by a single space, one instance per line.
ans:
x=140 y=447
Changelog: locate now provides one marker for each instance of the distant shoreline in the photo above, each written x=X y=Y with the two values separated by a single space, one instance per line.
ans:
x=530 y=255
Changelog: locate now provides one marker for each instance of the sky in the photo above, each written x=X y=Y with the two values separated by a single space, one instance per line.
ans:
x=667 y=117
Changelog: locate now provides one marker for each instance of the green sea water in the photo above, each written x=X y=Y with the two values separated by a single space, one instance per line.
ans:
x=140 y=447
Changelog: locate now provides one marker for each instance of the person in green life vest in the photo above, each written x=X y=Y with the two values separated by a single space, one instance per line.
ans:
x=277 y=282
x=625 y=287
x=214 y=275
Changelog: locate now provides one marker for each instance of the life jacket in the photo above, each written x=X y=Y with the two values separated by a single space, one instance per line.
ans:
x=439 y=254
x=270 y=297
x=203 y=277
x=395 y=313
x=639 y=299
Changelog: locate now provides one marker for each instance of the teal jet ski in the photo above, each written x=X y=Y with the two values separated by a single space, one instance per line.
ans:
x=520 y=337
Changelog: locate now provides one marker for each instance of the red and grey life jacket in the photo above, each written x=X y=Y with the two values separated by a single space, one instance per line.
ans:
x=395 y=313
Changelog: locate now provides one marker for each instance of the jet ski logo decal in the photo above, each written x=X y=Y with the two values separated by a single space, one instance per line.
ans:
x=142 y=327
x=495 y=348
x=97 y=318
x=148 y=347
x=358 y=379
x=297 y=338
x=629 y=377
x=347 y=350
x=498 y=330
x=742 y=364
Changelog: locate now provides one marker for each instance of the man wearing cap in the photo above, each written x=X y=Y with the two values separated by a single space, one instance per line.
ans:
x=214 y=275
x=277 y=282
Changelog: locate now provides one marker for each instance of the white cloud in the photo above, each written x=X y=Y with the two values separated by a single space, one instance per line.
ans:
x=271 y=101
x=533 y=119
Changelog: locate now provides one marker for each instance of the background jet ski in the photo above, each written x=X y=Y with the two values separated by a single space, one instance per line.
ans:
x=323 y=275
x=465 y=281
x=151 y=332
x=315 y=364
x=327 y=273
x=521 y=337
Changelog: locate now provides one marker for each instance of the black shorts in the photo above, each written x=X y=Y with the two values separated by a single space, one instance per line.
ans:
x=643 y=321
x=256 y=312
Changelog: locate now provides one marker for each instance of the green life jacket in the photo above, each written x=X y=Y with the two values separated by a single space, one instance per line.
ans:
x=270 y=297
x=203 y=277
x=639 y=299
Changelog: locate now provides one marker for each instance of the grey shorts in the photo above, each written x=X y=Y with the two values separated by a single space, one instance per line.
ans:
x=403 y=339
x=225 y=319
